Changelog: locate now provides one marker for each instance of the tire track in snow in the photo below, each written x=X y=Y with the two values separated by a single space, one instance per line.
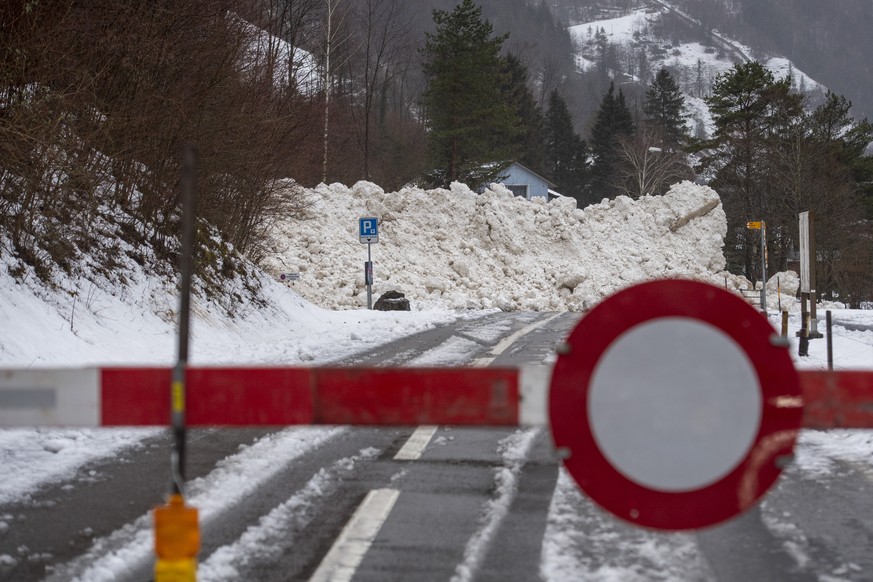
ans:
x=128 y=552
x=278 y=531
x=514 y=450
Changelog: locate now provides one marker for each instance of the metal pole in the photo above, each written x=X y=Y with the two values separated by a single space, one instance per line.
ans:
x=186 y=266
x=778 y=294
x=803 y=346
x=763 y=268
x=829 y=340
x=369 y=283
x=813 y=285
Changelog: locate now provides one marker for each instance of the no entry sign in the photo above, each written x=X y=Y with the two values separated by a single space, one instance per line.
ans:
x=676 y=404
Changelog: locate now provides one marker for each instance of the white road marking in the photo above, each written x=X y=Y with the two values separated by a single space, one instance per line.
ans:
x=414 y=447
x=344 y=557
x=504 y=344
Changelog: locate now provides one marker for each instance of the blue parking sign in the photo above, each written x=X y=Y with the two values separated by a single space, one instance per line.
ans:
x=368 y=230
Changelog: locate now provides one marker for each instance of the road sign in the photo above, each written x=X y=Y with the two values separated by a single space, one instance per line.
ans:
x=675 y=404
x=753 y=225
x=368 y=230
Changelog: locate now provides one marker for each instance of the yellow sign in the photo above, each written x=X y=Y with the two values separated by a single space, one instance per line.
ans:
x=754 y=225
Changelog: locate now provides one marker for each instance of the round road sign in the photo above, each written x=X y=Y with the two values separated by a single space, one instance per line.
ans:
x=675 y=405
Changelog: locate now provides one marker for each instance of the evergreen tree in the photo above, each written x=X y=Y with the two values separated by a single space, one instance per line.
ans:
x=753 y=114
x=469 y=121
x=528 y=143
x=833 y=125
x=565 y=151
x=613 y=122
x=664 y=108
x=601 y=43
x=836 y=183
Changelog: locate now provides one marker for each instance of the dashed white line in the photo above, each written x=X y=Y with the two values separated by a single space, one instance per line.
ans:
x=509 y=340
x=344 y=557
x=415 y=445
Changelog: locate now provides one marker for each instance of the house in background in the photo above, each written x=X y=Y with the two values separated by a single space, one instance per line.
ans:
x=524 y=182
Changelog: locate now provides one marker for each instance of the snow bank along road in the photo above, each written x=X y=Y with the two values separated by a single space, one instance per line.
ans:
x=427 y=503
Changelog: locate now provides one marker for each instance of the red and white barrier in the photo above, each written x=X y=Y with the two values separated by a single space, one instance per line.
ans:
x=243 y=396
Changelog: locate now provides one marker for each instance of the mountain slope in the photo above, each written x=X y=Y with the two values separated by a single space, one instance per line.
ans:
x=828 y=41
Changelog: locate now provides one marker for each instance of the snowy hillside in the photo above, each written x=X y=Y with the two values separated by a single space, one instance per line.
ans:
x=637 y=45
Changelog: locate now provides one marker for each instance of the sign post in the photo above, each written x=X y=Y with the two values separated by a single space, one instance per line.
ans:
x=762 y=226
x=807 y=272
x=177 y=531
x=368 y=232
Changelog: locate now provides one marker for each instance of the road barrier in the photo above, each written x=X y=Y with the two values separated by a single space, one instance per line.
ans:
x=273 y=396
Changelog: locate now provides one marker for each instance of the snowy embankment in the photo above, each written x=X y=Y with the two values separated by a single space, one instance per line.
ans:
x=459 y=249
x=86 y=322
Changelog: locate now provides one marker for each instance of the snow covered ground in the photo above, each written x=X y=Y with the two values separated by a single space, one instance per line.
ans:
x=452 y=252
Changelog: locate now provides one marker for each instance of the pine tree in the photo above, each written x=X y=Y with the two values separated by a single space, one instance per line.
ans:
x=566 y=157
x=528 y=144
x=753 y=115
x=613 y=122
x=470 y=124
x=601 y=43
x=664 y=108
x=832 y=125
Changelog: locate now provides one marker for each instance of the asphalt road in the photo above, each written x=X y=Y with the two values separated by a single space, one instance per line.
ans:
x=469 y=504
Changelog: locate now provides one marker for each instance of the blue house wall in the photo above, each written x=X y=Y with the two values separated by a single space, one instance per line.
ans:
x=516 y=177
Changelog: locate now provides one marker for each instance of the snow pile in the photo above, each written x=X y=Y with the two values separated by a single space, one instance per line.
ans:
x=458 y=249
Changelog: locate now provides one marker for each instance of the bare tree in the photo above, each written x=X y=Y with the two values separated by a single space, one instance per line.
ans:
x=96 y=101
x=384 y=27
x=646 y=169
x=806 y=176
x=294 y=23
x=334 y=35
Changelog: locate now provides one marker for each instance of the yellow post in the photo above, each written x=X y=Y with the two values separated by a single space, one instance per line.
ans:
x=177 y=541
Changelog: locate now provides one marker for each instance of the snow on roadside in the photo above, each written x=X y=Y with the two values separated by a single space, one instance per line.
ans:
x=30 y=457
x=95 y=324
x=581 y=542
x=275 y=533
x=130 y=549
x=818 y=450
